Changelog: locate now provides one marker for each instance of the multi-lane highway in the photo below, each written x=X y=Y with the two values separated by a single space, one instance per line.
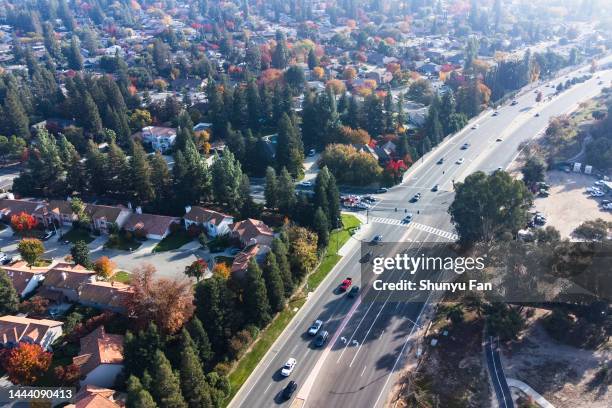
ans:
x=370 y=340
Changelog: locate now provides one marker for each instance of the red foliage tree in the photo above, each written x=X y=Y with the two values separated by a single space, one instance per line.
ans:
x=67 y=375
x=26 y=363
x=23 y=222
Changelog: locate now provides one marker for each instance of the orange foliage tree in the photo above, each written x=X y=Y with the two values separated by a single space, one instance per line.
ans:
x=336 y=86
x=221 y=269
x=356 y=136
x=26 y=363
x=23 y=222
x=166 y=302
x=104 y=267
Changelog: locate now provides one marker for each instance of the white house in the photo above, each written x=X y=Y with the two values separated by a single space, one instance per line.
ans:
x=215 y=223
x=15 y=329
x=160 y=138
x=100 y=360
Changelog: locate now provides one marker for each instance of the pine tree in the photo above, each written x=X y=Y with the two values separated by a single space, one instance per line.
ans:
x=446 y=111
x=253 y=102
x=167 y=389
x=353 y=115
x=200 y=338
x=373 y=116
x=118 y=172
x=90 y=118
x=137 y=395
x=289 y=151
x=280 y=56
x=274 y=283
x=321 y=227
x=239 y=116
x=141 y=175
x=333 y=199
x=9 y=299
x=227 y=176
x=286 y=192
x=80 y=254
x=15 y=114
x=161 y=181
x=271 y=188
x=257 y=307
x=193 y=382
x=313 y=61
x=280 y=253
x=184 y=131
x=213 y=308
x=95 y=165
x=74 y=57
x=389 y=118
x=433 y=126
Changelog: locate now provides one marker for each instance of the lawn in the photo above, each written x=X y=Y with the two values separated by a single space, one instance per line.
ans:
x=123 y=277
x=174 y=240
x=120 y=241
x=266 y=338
x=249 y=361
x=40 y=263
x=78 y=234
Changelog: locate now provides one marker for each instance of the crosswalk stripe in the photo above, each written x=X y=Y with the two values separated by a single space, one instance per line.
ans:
x=422 y=227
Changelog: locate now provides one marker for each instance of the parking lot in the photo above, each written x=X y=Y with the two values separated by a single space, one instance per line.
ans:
x=569 y=205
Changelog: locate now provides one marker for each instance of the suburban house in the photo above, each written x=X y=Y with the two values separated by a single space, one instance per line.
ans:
x=252 y=231
x=150 y=225
x=15 y=329
x=91 y=396
x=24 y=278
x=63 y=281
x=10 y=207
x=242 y=259
x=100 y=359
x=59 y=211
x=103 y=216
x=111 y=296
x=215 y=223
x=160 y=138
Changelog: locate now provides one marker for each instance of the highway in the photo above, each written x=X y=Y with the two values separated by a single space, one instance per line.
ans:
x=369 y=341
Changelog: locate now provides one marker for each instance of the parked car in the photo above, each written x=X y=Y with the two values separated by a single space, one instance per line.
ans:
x=475 y=126
x=346 y=284
x=288 y=367
x=321 y=339
x=543 y=193
x=369 y=199
x=599 y=183
x=316 y=326
x=499 y=139
x=353 y=292
x=289 y=390
x=3 y=258
x=48 y=235
x=382 y=190
x=311 y=152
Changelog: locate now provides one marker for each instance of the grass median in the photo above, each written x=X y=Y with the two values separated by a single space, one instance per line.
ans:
x=268 y=336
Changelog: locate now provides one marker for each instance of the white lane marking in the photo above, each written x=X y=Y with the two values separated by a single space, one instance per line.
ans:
x=422 y=227
x=364 y=368
x=267 y=388
x=293 y=349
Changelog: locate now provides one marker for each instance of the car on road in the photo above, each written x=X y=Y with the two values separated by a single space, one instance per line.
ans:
x=316 y=326
x=305 y=184
x=460 y=161
x=321 y=339
x=311 y=152
x=543 y=193
x=499 y=139
x=441 y=161
x=382 y=190
x=537 y=115
x=288 y=367
x=353 y=292
x=495 y=113
x=363 y=206
x=475 y=126
x=376 y=239
x=415 y=198
x=465 y=146
x=366 y=258
x=514 y=102
x=368 y=199
x=289 y=390
x=48 y=235
x=407 y=219
x=346 y=284
x=435 y=188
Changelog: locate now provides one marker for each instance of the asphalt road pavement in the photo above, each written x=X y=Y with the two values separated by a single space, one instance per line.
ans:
x=369 y=340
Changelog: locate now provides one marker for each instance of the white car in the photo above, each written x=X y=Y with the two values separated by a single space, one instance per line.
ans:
x=599 y=182
x=475 y=126
x=288 y=367
x=598 y=194
x=460 y=161
x=607 y=206
x=3 y=257
x=316 y=326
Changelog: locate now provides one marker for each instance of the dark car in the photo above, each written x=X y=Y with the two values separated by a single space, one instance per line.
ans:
x=376 y=239
x=465 y=146
x=48 y=235
x=441 y=161
x=366 y=258
x=353 y=292
x=289 y=390
x=415 y=198
x=435 y=188
x=321 y=339
x=382 y=190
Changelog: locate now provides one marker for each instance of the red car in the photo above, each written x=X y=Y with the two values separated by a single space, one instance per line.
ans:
x=346 y=284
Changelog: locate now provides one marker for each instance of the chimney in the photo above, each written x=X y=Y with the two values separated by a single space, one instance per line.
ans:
x=187 y=209
x=138 y=210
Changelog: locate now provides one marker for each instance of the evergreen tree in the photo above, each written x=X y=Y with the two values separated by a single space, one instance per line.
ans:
x=80 y=254
x=200 y=338
x=15 y=114
x=141 y=175
x=137 y=395
x=289 y=151
x=274 y=283
x=118 y=172
x=313 y=61
x=239 y=116
x=280 y=253
x=212 y=296
x=167 y=389
x=96 y=169
x=139 y=350
x=253 y=56
x=433 y=127
x=446 y=111
x=333 y=199
x=321 y=227
x=184 y=131
x=271 y=188
x=253 y=105
x=193 y=381
x=286 y=192
x=9 y=299
x=90 y=118
x=257 y=307
x=161 y=181
x=373 y=116
x=280 y=56
x=227 y=176
x=73 y=54
x=353 y=116
x=388 y=117
x=51 y=43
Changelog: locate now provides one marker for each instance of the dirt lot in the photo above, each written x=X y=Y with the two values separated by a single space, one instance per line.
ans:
x=568 y=204
x=564 y=375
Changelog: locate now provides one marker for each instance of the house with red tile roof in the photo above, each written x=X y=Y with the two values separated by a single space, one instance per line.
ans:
x=150 y=225
x=24 y=278
x=63 y=281
x=242 y=259
x=15 y=329
x=251 y=231
x=111 y=296
x=91 y=396
x=215 y=223
x=100 y=359
x=10 y=207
